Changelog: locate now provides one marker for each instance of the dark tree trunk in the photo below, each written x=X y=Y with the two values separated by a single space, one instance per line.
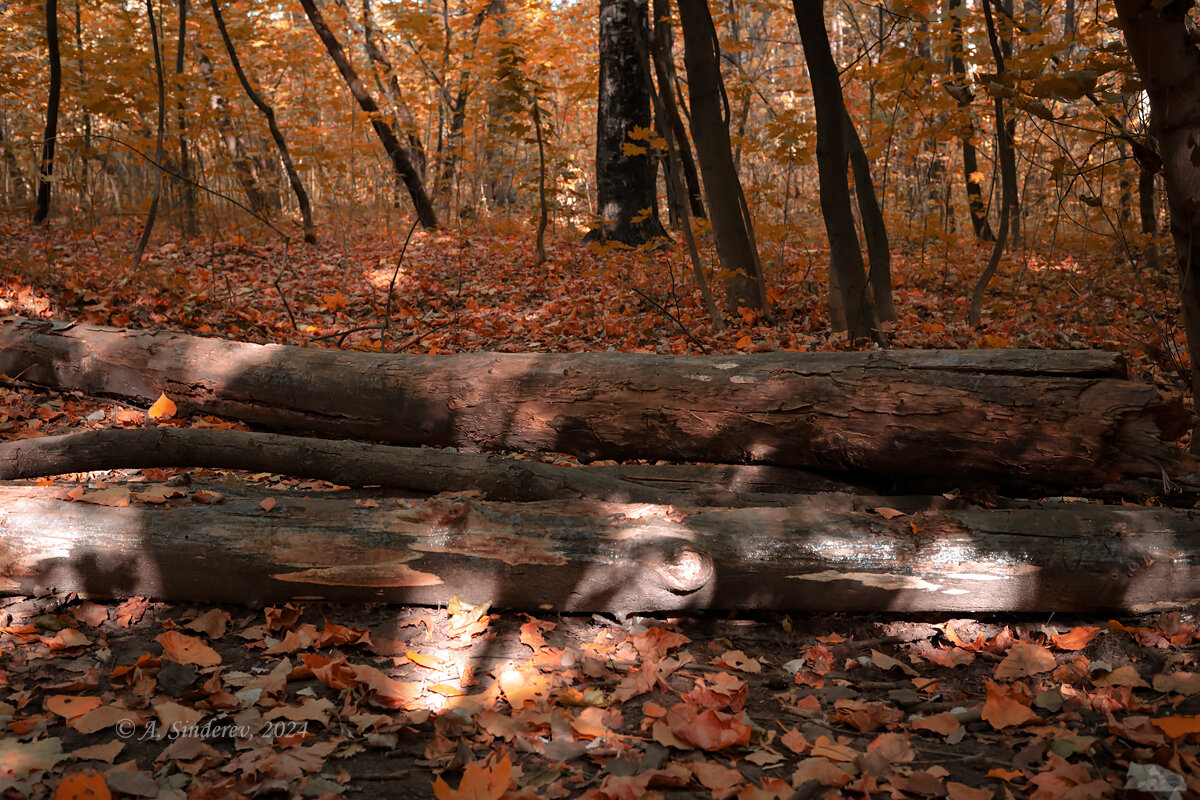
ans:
x=1148 y=213
x=397 y=152
x=879 y=252
x=1008 y=167
x=191 y=225
x=626 y=192
x=730 y=216
x=847 y=271
x=1009 y=188
x=297 y=185
x=661 y=52
x=1001 y=415
x=961 y=91
x=50 y=136
x=152 y=214
x=243 y=167
x=1168 y=62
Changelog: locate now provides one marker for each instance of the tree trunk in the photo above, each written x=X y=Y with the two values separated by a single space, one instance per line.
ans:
x=730 y=216
x=1168 y=63
x=377 y=51
x=879 y=253
x=297 y=185
x=661 y=53
x=1009 y=210
x=1148 y=214
x=50 y=136
x=847 y=272
x=243 y=168
x=626 y=191
x=191 y=225
x=399 y=155
x=152 y=214
x=961 y=92
x=601 y=557
x=1008 y=416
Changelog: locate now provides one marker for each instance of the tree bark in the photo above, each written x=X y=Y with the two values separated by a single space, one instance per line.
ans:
x=847 y=272
x=431 y=470
x=879 y=253
x=961 y=92
x=50 y=135
x=730 y=215
x=626 y=191
x=601 y=557
x=285 y=156
x=1148 y=214
x=664 y=71
x=191 y=226
x=1008 y=416
x=152 y=214
x=1168 y=63
x=397 y=152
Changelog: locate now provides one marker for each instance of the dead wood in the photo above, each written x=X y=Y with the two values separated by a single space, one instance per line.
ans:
x=1006 y=416
x=592 y=556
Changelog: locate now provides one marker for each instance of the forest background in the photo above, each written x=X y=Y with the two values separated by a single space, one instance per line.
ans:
x=494 y=100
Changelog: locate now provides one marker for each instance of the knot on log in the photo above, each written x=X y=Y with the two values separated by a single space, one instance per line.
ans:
x=685 y=570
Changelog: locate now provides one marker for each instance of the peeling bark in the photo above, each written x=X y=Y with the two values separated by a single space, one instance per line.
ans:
x=580 y=556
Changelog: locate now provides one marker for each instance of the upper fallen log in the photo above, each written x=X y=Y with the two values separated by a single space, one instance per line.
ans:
x=1002 y=415
x=592 y=556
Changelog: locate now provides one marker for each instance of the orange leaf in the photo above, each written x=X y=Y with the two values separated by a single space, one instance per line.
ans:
x=1025 y=658
x=1075 y=639
x=69 y=707
x=187 y=649
x=744 y=343
x=85 y=785
x=1177 y=727
x=267 y=504
x=424 y=659
x=712 y=730
x=163 y=408
x=479 y=782
x=1002 y=711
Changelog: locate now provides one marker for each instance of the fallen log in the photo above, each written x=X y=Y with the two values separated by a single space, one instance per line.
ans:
x=1008 y=416
x=589 y=556
x=353 y=463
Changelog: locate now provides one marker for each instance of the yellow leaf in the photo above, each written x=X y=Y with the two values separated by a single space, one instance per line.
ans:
x=163 y=408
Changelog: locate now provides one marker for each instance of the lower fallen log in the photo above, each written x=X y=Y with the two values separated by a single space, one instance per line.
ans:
x=593 y=556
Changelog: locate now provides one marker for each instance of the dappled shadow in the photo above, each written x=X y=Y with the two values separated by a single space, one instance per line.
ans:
x=822 y=410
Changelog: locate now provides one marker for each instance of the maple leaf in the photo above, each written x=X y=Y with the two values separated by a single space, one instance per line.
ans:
x=479 y=782
x=84 y=785
x=714 y=730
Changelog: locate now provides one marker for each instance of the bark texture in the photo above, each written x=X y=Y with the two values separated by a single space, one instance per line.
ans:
x=1007 y=416
x=580 y=556
x=730 y=216
x=626 y=195
x=1168 y=62
x=50 y=135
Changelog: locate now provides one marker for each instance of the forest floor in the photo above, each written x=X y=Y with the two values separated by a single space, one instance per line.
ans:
x=321 y=700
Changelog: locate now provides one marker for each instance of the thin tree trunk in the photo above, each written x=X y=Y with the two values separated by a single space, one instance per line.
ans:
x=664 y=70
x=50 y=136
x=879 y=252
x=847 y=272
x=675 y=186
x=1009 y=186
x=86 y=154
x=961 y=92
x=152 y=214
x=732 y=226
x=1148 y=213
x=190 y=224
x=310 y=234
x=243 y=168
x=543 y=203
x=1007 y=160
x=458 y=113
x=398 y=153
